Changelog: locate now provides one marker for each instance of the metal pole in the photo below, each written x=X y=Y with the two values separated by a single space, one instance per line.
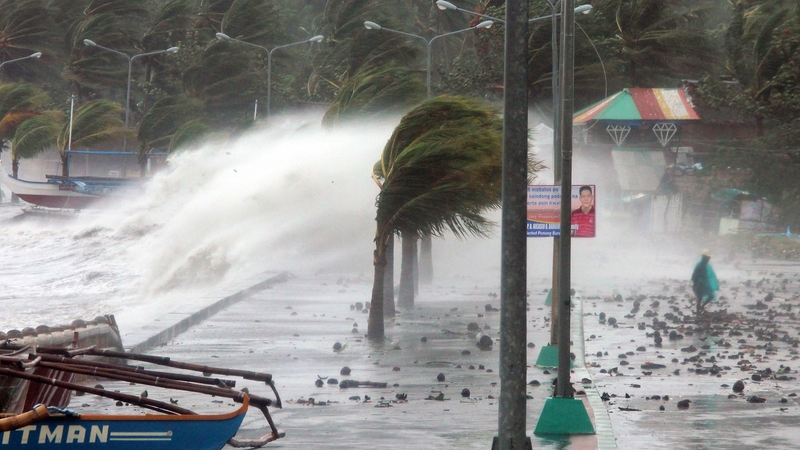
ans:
x=428 y=73
x=255 y=111
x=71 y=109
x=269 y=82
x=127 y=104
x=564 y=388
x=556 y=167
x=513 y=316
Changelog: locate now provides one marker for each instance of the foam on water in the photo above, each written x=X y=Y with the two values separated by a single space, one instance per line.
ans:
x=291 y=196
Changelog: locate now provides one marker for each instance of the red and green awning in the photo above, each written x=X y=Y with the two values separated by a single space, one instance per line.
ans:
x=637 y=105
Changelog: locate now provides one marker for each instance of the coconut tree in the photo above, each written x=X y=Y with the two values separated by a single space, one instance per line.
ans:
x=94 y=124
x=34 y=136
x=440 y=170
x=18 y=103
x=25 y=28
x=373 y=91
x=159 y=125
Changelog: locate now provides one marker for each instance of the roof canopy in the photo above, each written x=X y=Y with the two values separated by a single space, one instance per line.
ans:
x=635 y=106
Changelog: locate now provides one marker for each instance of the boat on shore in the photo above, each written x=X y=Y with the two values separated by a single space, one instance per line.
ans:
x=17 y=394
x=70 y=192
x=174 y=427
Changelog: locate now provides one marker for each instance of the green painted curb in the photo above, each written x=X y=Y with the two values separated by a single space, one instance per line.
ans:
x=549 y=300
x=548 y=357
x=564 y=416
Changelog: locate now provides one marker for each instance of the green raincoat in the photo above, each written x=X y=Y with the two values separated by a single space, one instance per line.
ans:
x=704 y=281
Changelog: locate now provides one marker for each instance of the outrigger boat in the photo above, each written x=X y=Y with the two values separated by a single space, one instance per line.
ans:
x=174 y=428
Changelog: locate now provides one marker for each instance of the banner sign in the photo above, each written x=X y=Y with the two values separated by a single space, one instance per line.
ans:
x=544 y=211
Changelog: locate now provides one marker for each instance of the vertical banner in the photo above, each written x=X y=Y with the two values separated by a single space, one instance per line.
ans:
x=544 y=204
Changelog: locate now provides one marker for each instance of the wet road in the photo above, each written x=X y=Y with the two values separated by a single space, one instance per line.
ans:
x=709 y=358
x=289 y=331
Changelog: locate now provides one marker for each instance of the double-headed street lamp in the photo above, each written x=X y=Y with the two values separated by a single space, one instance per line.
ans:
x=374 y=26
x=90 y=43
x=225 y=37
x=32 y=55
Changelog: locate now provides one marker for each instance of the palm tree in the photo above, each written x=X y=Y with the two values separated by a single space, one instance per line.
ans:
x=94 y=124
x=25 y=28
x=18 y=103
x=373 y=91
x=440 y=170
x=35 y=136
x=160 y=124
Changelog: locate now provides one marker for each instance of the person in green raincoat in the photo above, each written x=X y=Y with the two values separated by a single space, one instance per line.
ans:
x=704 y=282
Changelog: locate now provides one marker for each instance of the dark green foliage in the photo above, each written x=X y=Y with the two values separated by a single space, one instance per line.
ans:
x=375 y=91
x=168 y=115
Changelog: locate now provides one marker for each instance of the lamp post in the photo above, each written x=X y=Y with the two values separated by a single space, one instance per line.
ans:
x=374 y=26
x=32 y=55
x=225 y=37
x=90 y=43
x=584 y=9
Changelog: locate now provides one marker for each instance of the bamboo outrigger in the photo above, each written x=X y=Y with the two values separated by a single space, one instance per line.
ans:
x=173 y=428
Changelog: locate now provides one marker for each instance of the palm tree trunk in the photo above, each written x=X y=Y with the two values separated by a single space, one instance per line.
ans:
x=388 y=280
x=415 y=261
x=426 y=260
x=405 y=298
x=14 y=167
x=64 y=164
x=375 y=330
x=142 y=165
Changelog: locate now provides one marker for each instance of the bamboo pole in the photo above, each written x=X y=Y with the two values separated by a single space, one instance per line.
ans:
x=139 y=401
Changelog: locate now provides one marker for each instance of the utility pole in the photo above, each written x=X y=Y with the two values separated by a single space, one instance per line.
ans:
x=513 y=317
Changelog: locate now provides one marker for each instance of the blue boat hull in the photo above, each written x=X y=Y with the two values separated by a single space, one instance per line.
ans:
x=147 y=432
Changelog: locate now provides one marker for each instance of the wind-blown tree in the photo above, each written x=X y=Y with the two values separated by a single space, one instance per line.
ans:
x=160 y=124
x=18 y=103
x=440 y=170
x=115 y=24
x=374 y=91
x=94 y=124
x=35 y=136
x=763 y=49
x=25 y=28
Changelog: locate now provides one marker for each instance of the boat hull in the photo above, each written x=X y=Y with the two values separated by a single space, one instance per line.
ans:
x=151 y=432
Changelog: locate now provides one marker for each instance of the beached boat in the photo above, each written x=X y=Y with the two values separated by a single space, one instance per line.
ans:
x=44 y=428
x=17 y=394
x=174 y=428
x=70 y=192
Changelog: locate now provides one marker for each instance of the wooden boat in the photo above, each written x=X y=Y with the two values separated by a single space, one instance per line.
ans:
x=18 y=395
x=69 y=192
x=45 y=428
x=174 y=428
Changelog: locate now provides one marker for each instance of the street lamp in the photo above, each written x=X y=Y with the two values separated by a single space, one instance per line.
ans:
x=225 y=37
x=90 y=43
x=374 y=26
x=32 y=55
x=582 y=9
x=445 y=5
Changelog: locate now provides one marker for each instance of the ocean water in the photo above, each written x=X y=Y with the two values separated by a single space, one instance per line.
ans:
x=289 y=196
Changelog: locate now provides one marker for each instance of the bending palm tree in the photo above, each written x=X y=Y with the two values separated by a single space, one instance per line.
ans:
x=441 y=170
x=95 y=123
x=35 y=136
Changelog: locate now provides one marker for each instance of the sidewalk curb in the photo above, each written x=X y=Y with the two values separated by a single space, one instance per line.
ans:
x=602 y=421
x=197 y=317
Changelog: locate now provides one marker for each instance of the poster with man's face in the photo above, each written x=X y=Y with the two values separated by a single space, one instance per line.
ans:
x=544 y=211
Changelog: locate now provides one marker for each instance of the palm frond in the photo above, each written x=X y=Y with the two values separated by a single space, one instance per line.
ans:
x=37 y=135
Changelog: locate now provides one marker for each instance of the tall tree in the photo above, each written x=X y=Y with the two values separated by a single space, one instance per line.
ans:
x=440 y=170
x=95 y=124
x=35 y=136
x=161 y=123
x=18 y=103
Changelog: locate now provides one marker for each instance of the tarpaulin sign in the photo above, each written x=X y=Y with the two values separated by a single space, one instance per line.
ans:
x=544 y=211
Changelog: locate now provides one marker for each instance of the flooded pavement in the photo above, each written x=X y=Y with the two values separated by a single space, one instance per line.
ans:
x=290 y=331
x=750 y=334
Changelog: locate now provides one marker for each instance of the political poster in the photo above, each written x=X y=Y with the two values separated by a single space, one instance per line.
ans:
x=544 y=211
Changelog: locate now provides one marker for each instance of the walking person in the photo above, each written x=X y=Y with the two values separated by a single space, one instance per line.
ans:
x=704 y=282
